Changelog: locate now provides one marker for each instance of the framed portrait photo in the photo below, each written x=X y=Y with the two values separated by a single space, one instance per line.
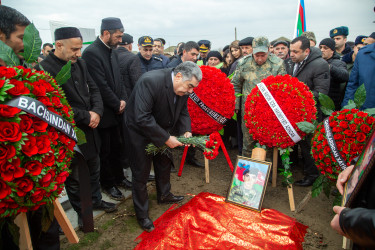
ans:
x=249 y=182
x=365 y=163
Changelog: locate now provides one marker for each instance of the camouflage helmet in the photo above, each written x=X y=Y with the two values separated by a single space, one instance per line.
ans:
x=309 y=35
x=260 y=44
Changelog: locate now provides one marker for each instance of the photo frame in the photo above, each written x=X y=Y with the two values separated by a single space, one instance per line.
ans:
x=360 y=171
x=249 y=182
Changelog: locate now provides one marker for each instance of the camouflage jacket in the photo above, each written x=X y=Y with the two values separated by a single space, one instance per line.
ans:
x=248 y=73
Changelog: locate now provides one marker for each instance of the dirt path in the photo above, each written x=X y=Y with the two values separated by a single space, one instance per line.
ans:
x=119 y=230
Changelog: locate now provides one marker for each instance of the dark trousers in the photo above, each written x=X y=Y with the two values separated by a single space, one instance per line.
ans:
x=111 y=161
x=310 y=168
x=72 y=183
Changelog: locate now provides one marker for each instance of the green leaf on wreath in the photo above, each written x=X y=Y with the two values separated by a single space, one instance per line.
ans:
x=317 y=186
x=351 y=105
x=32 y=44
x=326 y=101
x=64 y=74
x=238 y=95
x=315 y=122
x=338 y=200
x=370 y=111
x=326 y=186
x=231 y=76
x=8 y=56
x=306 y=127
x=221 y=131
x=326 y=111
x=360 y=96
x=234 y=117
x=80 y=136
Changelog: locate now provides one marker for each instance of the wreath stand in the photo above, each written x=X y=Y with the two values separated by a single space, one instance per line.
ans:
x=25 y=239
x=206 y=161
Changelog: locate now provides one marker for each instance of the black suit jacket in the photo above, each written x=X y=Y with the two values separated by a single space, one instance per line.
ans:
x=151 y=114
x=103 y=66
x=83 y=96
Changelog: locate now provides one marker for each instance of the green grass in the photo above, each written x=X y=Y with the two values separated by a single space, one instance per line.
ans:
x=86 y=240
x=106 y=244
x=107 y=224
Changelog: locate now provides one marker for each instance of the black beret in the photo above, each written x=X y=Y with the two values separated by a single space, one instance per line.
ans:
x=246 y=41
x=281 y=42
x=126 y=39
x=111 y=23
x=339 y=31
x=66 y=33
x=216 y=54
x=226 y=47
x=329 y=42
x=372 y=35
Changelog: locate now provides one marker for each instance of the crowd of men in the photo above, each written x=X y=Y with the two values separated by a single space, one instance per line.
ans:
x=124 y=101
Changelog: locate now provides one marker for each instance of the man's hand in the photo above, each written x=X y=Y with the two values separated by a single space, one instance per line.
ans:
x=343 y=178
x=188 y=134
x=94 y=119
x=172 y=142
x=335 y=224
x=122 y=106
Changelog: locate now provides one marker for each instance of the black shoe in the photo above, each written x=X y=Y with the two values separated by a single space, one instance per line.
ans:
x=151 y=177
x=306 y=181
x=171 y=199
x=194 y=162
x=108 y=207
x=114 y=193
x=125 y=184
x=146 y=224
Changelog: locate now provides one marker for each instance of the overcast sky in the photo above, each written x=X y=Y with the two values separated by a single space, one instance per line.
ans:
x=183 y=20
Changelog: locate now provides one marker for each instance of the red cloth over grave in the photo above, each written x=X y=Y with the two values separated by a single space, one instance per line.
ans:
x=208 y=222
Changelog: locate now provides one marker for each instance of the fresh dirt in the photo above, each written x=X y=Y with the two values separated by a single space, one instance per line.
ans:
x=120 y=229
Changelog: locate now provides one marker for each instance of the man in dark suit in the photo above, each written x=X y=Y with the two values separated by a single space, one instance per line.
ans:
x=156 y=109
x=84 y=97
x=102 y=65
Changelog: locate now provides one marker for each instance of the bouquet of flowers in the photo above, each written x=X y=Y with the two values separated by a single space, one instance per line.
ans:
x=34 y=156
x=212 y=146
x=216 y=92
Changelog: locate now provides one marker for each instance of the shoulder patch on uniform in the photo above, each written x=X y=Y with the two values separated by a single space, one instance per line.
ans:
x=274 y=59
x=158 y=58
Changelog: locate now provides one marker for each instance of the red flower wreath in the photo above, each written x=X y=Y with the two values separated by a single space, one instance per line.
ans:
x=212 y=146
x=34 y=157
x=295 y=100
x=349 y=129
x=216 y=91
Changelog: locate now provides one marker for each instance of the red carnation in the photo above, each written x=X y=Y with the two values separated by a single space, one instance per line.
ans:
x=26 y=124
x=47 y=179
x=45 y=100
x=7 y=72
x=24 y=185
x=5 y=190
x=343 y=124
x=61 y=178
x=49 y=159
x=37 y=195
x=361 y=137
x=8 y=111
x=349 y=133
x=358 y=120
x=30 y=147
x=10 y=131
x=43 y=143
x=365 y=128
x=34 y=167
x=11 y=170
x=62 y=154
x=18 y=89
x=7 y=152
x=39 y=125
x=349 y=117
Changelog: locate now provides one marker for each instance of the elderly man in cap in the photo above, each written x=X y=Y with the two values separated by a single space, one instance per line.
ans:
x=157 y=111
x=339 y=34
x=311 y=36
x=246 y=45
x=350 y=57
x=281 y=49
x=148 y=60
x=204 y=49
x=130 y=64
x=103 y=66
x=337 y=68
x=159 y=50
x=84 y=97
x=251 y=70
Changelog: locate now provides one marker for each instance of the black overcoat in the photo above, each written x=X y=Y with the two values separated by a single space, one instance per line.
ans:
x=83 y=96
x=103 y=67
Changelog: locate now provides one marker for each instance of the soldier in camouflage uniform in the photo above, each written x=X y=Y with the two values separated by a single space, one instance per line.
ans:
x=251 y=70
x=311 y=36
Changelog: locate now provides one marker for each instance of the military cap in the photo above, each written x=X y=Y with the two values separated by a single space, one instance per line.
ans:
x=126 y=39
x=339 y=31
x=161 y=40
x=260 y=44
x=145 y=41
x=360 y=40
x=372 y=35
x=309 y=35
x=281 y=42
x=216 y=54
x=226 y=47
x=204 y=45
x=329 y=42
x=111 y=23
x=66 y=33
x=246 y=41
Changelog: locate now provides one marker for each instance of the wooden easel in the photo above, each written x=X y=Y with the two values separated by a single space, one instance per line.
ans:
x=25 y=239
